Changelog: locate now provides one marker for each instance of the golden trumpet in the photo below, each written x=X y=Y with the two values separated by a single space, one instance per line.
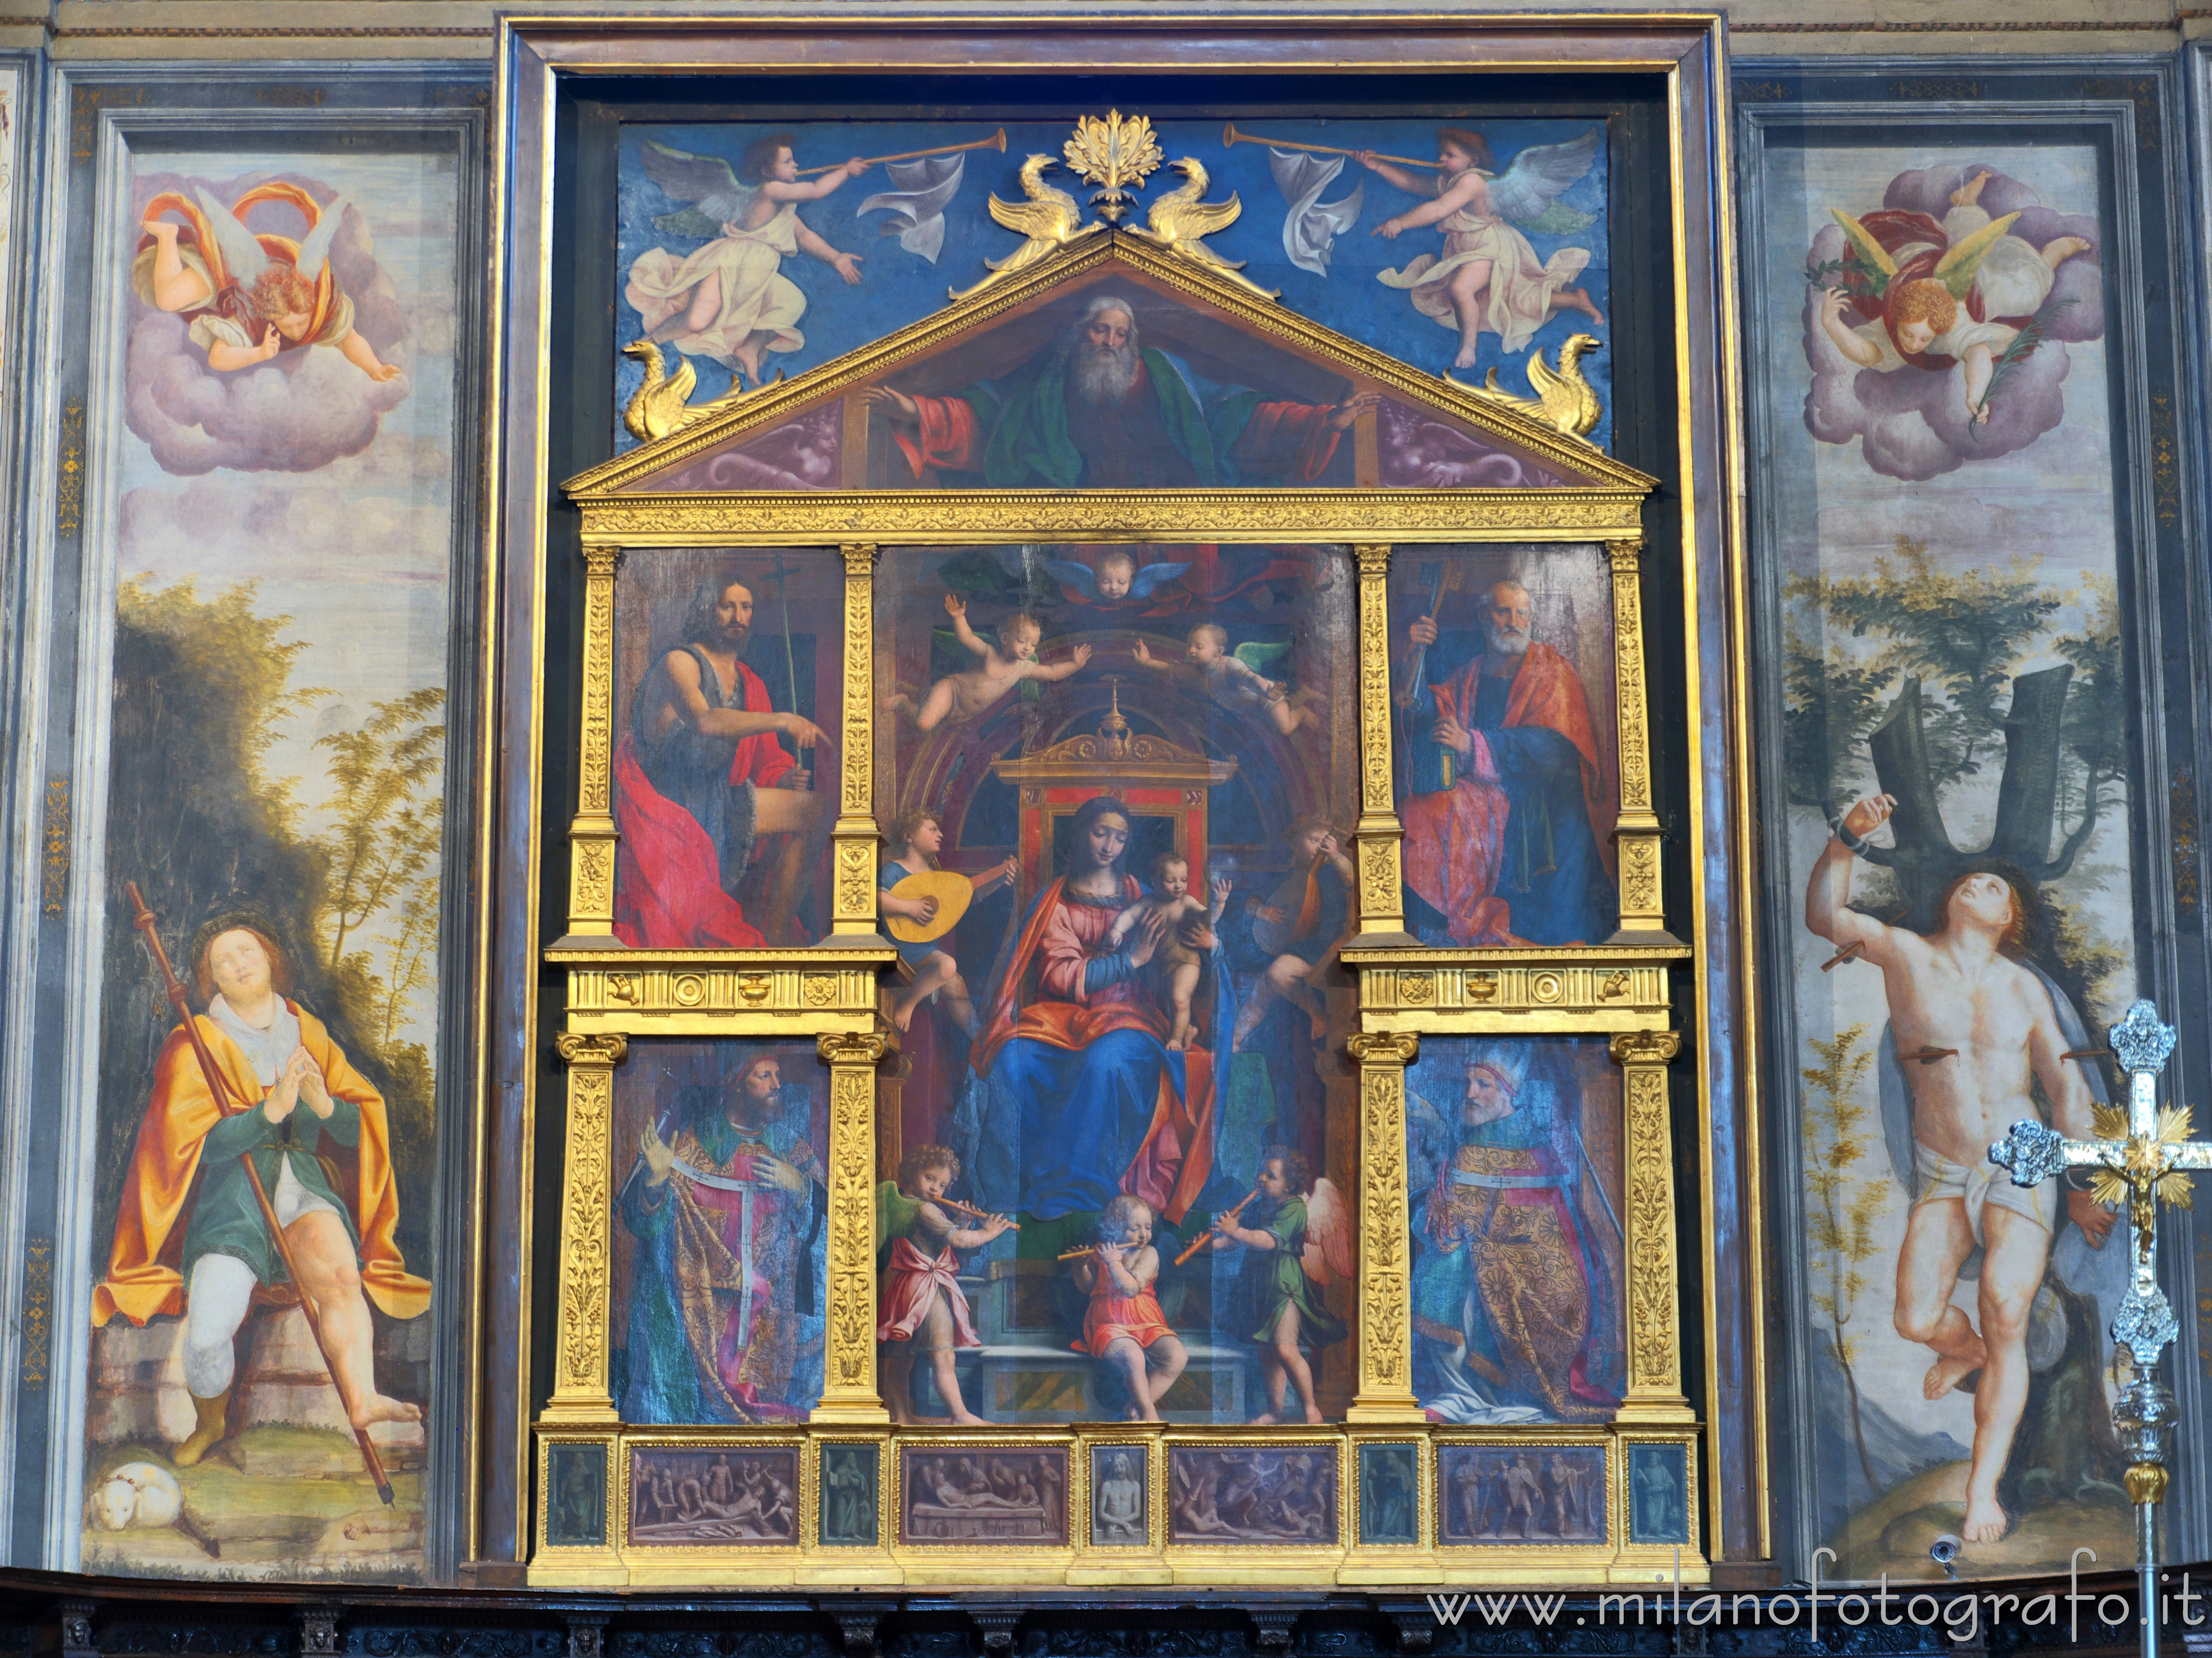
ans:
x=1230 y=134
x=997 y=141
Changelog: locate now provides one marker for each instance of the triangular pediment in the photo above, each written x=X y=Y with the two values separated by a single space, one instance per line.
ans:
x=1262 y=377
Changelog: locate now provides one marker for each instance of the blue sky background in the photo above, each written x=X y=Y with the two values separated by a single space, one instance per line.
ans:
x=898 y=287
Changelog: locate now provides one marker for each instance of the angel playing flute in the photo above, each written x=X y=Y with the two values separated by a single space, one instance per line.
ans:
x=1298 y=1235
x=1123 y=1325
x=921 y=1311
x=246 y=297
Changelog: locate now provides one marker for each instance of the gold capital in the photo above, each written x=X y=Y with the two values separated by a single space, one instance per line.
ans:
x=1646 y=1047
x=1384 y=1048
x=853 y=1047
x=610 y=1048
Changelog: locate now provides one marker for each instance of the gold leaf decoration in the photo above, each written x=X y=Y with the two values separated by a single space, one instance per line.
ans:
x=1117 y=153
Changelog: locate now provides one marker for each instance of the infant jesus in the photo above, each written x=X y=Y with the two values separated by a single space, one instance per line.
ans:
x=1165 y=910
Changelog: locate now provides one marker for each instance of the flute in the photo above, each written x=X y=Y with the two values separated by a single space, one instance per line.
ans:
x=970 y=1209
x=1206 y=1237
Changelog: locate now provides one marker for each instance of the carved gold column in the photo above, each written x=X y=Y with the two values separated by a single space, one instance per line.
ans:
x=1642 y=914
x=1386 y=1293
x=848 y=1370
x=591 y=834
x=1382 y=895
x=854 y=840
x=579 y=1360
x=1655 y=1359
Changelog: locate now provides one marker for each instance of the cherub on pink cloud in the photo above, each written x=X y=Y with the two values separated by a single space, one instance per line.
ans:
x=1935 y=324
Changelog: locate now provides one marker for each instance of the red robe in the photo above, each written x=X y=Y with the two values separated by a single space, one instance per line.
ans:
x=1454 y=838
x=1040 y=997
x=669 y=892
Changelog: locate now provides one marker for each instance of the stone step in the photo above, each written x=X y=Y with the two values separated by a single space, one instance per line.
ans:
x=138 y=1394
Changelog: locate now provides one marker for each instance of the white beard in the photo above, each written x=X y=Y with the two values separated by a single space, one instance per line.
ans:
x=1508 y=642
x=1103 y=378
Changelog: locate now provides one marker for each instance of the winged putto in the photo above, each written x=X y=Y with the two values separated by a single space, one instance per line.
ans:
x=1936 y=323
x=1488 y=279
x=244 y=295
x=729 y=299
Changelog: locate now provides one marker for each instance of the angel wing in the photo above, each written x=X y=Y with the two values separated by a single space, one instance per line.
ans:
x=707 y=182
x=241 y=251
x=1328 y=1235
x=1151 y=576
x=1526 y=192
x=1863 y=241
x=1077 y=574
x=1958 y=267
x=917 y=205
x=1311 y=226
x=315 y=246
x=1261 y=658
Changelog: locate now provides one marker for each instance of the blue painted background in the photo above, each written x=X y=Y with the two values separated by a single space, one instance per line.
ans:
x=898 y=287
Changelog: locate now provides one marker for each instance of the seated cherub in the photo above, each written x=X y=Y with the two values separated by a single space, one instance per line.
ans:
x=960 y=697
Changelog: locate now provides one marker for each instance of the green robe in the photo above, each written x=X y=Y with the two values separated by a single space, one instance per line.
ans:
x=1029 y=447
x=226 y=1218
x=1269 y=1278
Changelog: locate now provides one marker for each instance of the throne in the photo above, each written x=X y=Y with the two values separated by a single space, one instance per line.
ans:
x=1165 y=789
x=1162 y=785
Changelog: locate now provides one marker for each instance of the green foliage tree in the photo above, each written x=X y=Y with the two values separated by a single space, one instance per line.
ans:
x=201 y=689
x=1840 y=1215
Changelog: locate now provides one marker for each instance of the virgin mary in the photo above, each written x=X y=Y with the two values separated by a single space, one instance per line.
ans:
x=1075 y=1097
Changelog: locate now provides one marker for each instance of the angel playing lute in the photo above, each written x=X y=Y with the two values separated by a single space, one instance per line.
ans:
x=1295 y=1237
x=730 y=299
x=244 y=296
x=1489 y=278
x=1965 y=291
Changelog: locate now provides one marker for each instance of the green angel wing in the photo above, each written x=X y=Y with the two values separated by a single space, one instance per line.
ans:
x=1869 y=251
x=1956 y=270
x=895 y=1213
x=1263 y=659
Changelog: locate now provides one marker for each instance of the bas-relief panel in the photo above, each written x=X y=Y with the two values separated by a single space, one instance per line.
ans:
x=1117 y=786
x=1252 y=1497
x=1506 y=743
x=1953 y=746
x=749 y=251
x=1537 y=1494
x=1514 y=1183
x=748 y=1497
x=721 y=1253
x=284 y=542
x=997 y=1495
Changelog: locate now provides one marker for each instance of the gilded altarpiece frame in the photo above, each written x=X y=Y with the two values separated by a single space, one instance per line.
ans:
x=1621 y=990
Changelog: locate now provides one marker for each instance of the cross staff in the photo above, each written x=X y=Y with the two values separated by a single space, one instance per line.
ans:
x=2141 y=1157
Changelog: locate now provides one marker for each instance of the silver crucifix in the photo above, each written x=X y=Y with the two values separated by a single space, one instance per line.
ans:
x=2140 y=1158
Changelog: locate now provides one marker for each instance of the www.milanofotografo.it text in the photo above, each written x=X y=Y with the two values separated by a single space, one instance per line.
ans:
x=1960 y=1616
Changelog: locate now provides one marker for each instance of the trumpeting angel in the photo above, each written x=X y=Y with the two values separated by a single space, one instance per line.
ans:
x=246 y=297
x=1489 y=279
x=730 y=299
